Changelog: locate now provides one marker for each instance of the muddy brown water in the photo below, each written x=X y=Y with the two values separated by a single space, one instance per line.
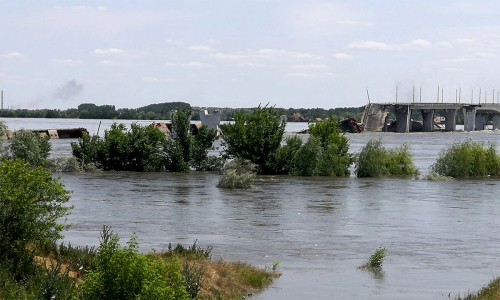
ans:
x=441 y=237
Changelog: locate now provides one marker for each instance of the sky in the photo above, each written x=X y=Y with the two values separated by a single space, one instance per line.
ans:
x=242 y=53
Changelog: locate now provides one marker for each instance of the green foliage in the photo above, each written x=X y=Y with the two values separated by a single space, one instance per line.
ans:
x=326 y=152
x=374 y=160
x=3 y=129
x=468 y=159
x=30 y=147
x=375 y=261
x=281 y=161
x=92 y=111
x=192 y=252
x=32 y=203
x=181 y=125
x=237 y=174
x=307 y=157
x=138 y=149
x=123 y=273
x=255 y=137
x=200 y=144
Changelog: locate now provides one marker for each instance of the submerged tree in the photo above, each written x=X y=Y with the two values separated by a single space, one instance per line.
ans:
x=375 y=160
x=468 y=159
x=255 y=137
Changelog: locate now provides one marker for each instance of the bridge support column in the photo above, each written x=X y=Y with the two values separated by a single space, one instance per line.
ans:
x=450 y=123
x=496 y=122
x=480 y=121
x=403 y=118
x=428 y=118
x=469 y=118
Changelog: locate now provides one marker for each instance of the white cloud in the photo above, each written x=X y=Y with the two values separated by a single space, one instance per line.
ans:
x=109 y=51
x=342 y=56
x=300 y=75
x=308 y=75
x=420 y=43
x=369 y=45
x=311 y=67
x=154 y=79
x=196 y=65
x=464 y=41
x=266 y=56
x=69 y=62
x=11 y=55
x=201 y=48
x=354 y=23
x=412 y=45
x=323 y=19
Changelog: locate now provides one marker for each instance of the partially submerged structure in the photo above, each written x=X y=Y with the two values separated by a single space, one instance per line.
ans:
x=475 y=116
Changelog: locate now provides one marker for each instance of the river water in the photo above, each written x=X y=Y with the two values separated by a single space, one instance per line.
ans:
x=441 y=237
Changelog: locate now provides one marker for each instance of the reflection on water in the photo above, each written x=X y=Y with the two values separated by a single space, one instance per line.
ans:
x=441 y=237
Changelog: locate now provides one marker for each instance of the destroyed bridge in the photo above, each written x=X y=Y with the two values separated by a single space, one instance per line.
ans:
x=475 y=116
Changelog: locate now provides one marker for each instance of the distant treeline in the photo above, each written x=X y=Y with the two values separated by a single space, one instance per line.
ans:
x=162 y=111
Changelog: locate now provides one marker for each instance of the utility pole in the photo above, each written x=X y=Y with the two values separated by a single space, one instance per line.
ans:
x=2 y=101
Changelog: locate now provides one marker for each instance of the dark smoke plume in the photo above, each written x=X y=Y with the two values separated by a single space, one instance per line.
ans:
x=68 y=90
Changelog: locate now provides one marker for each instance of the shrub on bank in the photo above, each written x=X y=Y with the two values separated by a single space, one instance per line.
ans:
x=124 y=273
x=468 y=159
x=374 y=160
x=32 y=203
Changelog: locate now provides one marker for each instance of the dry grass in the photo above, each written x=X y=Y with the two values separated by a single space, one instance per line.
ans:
x=227 y=280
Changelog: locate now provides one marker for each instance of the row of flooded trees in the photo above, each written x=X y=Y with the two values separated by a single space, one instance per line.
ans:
x=254 y=143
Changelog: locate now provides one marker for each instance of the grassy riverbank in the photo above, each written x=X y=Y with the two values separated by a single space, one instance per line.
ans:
x=68 y=272
x=489 y=292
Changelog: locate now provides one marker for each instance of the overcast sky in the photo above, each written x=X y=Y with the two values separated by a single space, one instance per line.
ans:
x=235 y=53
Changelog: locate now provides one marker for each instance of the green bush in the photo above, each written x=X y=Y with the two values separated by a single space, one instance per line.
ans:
x=282 y=160
x=307 y=157
x=374 y=160
x=200 y=144
x=145 y=148
x=30 y=147
x=123 y=273
x=326 y=153
x=32 y=204
x=375 y=261
x=254 y=137
x=468 y=159
x=237 y=174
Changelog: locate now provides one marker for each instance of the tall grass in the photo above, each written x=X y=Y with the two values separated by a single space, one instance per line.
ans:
x=374 y=160
x=468 y=159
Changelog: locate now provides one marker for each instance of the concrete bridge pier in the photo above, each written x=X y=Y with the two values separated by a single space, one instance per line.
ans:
x=428 y=118
x=469 y=118
x=450 y=123
x=496 y=122
x=480 y=121
x=403 y=118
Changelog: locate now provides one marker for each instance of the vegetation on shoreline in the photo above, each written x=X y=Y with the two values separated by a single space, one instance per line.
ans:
x=489 y=292
x=468 y=159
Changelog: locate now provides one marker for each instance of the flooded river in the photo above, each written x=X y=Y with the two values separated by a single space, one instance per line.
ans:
x=441 y=237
